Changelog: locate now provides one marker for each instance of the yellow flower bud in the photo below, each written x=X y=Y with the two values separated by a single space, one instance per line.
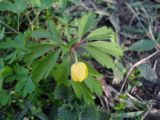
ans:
x=79 y=71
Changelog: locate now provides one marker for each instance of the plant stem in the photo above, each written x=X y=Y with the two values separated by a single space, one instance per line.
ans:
x=75 y=56
x=8 y=26
x=18 y=22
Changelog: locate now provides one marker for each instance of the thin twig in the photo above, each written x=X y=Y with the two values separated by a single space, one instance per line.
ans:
x=136 y=14
x=101 y=101
x=107 y=103
x=152 y=37
x=135 y=65
x=18 y=22
x=147 y=112
x=110 y=1
x=100 y=12
x=35 y=18
x=8 y=26
x=155 y=65
x=72 y=8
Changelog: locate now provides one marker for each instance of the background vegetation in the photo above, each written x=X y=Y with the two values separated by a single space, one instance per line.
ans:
x=118 y=40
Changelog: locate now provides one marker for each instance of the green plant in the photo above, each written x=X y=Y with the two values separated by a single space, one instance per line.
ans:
x=42 y=55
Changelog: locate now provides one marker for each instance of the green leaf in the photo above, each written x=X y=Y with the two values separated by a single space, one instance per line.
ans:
x=18 y=43
x=66 y=112
x=62 y=72
x=114 y=19
x=118 y=72
x=63 y=4
x=7 y=6
x=8 y=44
x=85 y=24
x=104 y=115
x=51 y=34
x=37 y=51
x=11 y=57
x=41 y=33
x=102 y=33
x=19 y=47
x=53 y=31
x=42 y=4
x=20 y=5
x=92 y=71
x=94 y=85
x=2 y=33
x=17 y=7
x=111 y=48
x=21 y=72
x=148 y=73
x=29 y=85
x=142 y=45
x=82 y=91
x=89 y=113
x=24 y=111
x=39 y=113
x=5 y=72
x=61 y=92
x=118 y=75
x=42 y=68
x=25 y=86
x=102 y=58
x=5 y=98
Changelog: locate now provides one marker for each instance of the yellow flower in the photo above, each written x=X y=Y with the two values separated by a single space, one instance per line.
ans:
x=79 y=71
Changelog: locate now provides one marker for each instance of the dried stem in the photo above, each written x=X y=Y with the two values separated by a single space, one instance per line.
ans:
x=135 y=65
